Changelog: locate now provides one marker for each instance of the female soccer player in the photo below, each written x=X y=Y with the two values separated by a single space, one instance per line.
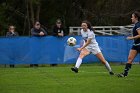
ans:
x=90 y=46
x=136 y=45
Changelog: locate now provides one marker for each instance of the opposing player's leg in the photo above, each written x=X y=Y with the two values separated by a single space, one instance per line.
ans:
x=132 y=55
x=102 y=59
x=83 y=53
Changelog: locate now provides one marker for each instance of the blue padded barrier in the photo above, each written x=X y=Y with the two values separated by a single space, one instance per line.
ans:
x=54 y=50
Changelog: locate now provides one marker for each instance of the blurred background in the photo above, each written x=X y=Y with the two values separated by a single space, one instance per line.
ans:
x=23 y=13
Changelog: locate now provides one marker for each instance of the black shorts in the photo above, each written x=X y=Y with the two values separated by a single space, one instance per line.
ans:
x=137 y=48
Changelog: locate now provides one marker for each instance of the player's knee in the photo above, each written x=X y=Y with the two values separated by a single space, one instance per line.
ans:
x=130 y=59
x=82 y=56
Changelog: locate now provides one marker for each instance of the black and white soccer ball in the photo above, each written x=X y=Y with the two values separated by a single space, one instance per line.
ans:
x=71 y=41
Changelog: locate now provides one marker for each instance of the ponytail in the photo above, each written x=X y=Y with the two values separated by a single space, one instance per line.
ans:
x=137 y=14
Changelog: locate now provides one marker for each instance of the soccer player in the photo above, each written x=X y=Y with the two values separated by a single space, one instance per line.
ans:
x=90 y=46
x=136 y=45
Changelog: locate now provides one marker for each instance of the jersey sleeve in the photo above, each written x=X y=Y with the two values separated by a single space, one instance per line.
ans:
x=91 y=35
x=138 y=26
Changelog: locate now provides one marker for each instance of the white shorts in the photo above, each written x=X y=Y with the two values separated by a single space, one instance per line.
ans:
x=93 y=49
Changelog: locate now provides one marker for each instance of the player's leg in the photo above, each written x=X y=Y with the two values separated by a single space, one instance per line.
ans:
x=102 y=59
x=132 y=55
x=83 y=53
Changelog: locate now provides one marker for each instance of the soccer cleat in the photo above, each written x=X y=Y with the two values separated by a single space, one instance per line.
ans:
x=121 y=75
x=74 y=69
x=111 y=73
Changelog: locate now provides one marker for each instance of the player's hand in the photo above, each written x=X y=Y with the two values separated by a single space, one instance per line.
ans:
x=79 y=49
x=41 y=34
x=60 y=34
x=129 y=38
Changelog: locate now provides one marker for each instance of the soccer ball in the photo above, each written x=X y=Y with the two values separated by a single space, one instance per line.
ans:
x=71 y=41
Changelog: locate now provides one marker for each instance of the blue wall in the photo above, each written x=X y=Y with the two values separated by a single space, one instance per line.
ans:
x=49 y=50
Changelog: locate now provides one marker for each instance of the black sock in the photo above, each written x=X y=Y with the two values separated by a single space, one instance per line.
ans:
x=127 y=67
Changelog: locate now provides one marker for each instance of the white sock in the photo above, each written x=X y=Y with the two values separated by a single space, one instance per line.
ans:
x=108 y=67
x=78 y=63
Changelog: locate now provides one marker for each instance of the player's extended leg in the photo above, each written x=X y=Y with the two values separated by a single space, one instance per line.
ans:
x=102 y=59
x=83 y=53
x=128 y=65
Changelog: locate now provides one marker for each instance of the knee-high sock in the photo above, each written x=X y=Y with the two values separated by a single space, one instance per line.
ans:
x=127 y=68
x=108 y=67
x=78 y=63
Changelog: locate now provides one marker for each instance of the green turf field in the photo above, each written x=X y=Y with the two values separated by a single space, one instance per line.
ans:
x=90 y=79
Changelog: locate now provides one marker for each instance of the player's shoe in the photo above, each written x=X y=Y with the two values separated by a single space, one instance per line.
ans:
x=74 y=69
x=111 y=73
x=121 y=75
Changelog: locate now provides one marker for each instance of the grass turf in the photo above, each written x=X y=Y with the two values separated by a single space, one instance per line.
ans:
x=90 y=79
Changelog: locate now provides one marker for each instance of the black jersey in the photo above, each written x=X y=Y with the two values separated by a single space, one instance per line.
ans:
x=135 y=32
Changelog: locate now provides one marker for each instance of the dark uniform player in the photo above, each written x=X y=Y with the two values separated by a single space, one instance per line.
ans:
x=136 y=45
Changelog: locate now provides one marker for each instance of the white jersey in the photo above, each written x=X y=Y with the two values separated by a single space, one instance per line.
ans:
x=89 y=34
x=93 y=46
